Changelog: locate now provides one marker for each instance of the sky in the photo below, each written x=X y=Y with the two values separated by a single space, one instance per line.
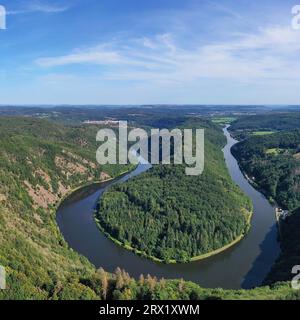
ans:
x=149 y=52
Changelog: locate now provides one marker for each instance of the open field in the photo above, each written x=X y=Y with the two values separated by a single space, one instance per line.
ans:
x=262 y=133
x=223 y=120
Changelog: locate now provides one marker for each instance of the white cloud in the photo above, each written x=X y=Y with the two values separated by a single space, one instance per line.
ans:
x=225 y=10
x=271 y=53
x=148 y=43
x=97 y=55
x=39 y=7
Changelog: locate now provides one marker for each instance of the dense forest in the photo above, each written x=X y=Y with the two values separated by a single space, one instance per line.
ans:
x=41 y=162
x=170 y=216
x=274 y=163
x=245 y=126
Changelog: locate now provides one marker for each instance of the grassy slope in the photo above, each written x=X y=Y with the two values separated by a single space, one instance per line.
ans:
x=38 y=262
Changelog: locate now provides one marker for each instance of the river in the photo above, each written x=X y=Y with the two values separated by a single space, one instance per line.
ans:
x=244 y=265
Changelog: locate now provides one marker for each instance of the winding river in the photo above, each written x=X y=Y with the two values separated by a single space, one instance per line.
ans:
x=244 y=265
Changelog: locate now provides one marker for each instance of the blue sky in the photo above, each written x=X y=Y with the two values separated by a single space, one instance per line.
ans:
x=154 y=51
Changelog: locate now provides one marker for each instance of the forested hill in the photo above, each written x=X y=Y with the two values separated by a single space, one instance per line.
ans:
x=247 y=125
x=40 y=162
x=274 y=162
x=170 y=216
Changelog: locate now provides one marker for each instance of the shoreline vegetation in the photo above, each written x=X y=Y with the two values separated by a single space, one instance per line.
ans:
x=80 y=187
x=139 y=252
x=273 y=164
x=193 y=259
x=89 y=184
x=264 y=193
x=256 y=186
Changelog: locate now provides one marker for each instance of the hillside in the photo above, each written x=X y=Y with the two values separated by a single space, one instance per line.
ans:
x=167 y=215
x=273 y=160
x=40 y=163
x=246 y=126
x=290 y=246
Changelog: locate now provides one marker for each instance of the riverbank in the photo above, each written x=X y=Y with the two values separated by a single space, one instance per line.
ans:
x=271 y=200
x=91 y=183
x=256 y=186
x=82 y=186
x=193 y=259
x=278 y=211
x=228 y=246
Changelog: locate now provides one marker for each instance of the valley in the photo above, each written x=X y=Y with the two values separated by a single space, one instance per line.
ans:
x=68 y=150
